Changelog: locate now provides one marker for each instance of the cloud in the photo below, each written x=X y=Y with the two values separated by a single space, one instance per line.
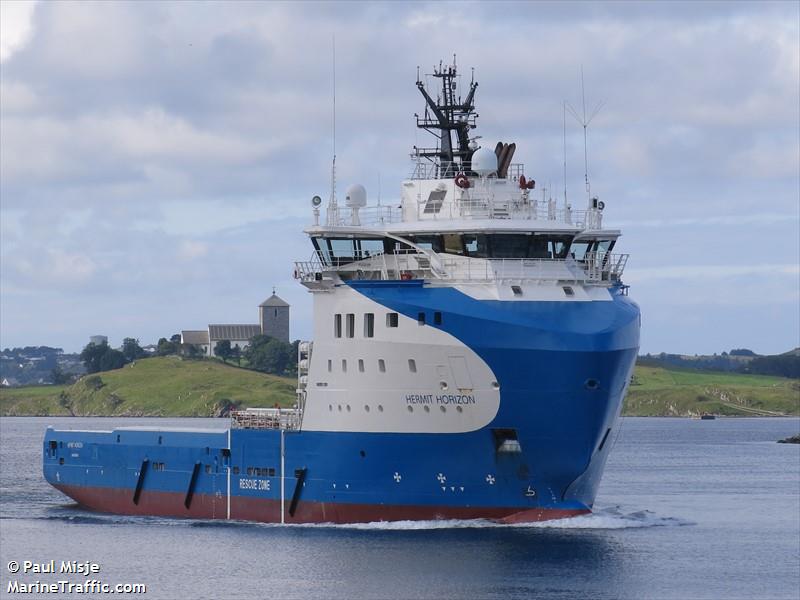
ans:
x=15 y=26
x=151 y=152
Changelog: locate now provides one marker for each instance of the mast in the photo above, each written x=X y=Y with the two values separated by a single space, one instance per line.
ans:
x=444 y=116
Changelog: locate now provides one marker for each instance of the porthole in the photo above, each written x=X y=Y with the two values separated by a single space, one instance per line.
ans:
x=330 y=407
x=366 y=407
x=330 y=366
x=443 y=385
x=459 y=409
x=412 y=365
x=380 y=407
x=427 y=408
x=495 y=385
x=410 y=408
x=348 y=408
x=443 y=408
x=340 y=408
x=362 y=453
x=592 y=384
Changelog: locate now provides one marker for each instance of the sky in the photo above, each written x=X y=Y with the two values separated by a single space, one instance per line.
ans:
x=157 y=159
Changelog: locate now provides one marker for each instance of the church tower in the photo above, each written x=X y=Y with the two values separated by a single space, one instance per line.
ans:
x=273 y=316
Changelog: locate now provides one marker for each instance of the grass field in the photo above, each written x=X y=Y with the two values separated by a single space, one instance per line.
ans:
x=167 y=386
x=656 y=391
x=171 y=386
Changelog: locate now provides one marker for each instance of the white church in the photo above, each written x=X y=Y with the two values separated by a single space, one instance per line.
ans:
x=273 y=320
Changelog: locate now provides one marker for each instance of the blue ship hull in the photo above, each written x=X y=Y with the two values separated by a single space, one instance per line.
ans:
x=562 y=368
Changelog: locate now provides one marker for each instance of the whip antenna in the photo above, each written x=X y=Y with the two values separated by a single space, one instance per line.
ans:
x=584 y=122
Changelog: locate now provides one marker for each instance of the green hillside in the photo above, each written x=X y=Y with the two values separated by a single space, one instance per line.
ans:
x=171 y=386
x=656 y=391
x=168 y=386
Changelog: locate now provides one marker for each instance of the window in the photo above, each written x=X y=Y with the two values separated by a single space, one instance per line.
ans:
x=344 y=365
x=435 y=200
x=437 y=318
x=453 y=243
x=351 y=325
x=510 y=245
x=391 y=320
x=369 y=325
x=330 y=366
x=412 y=365
x=476 y=245
x=360 y=365
x=235 y=470
x=517 y=290
x=381 y=365
x=337 y=326
x=421 y=318
x=568 y=291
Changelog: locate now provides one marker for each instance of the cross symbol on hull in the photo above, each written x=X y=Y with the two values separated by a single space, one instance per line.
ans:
x=441 y=478
x=490 y=479
x=397 y=477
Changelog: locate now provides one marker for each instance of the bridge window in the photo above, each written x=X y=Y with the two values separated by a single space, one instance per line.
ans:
x=369 y=325
x=453 y=243
x=391 y=319
x=337 y=326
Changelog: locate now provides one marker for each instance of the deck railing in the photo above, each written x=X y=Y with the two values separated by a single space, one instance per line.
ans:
x=266 y=418
x=594 y=268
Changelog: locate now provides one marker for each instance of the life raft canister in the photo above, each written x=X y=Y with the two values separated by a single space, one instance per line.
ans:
x=524 y=184
x=462 y=181
x=405 y=276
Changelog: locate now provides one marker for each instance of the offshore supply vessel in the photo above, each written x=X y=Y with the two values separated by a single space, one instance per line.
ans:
x=472 y=347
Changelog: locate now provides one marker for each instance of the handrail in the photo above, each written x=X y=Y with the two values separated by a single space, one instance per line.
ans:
x=266 y=418
x=594 y=268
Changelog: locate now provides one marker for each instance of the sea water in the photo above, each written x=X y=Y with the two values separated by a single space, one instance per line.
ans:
x=687 y=509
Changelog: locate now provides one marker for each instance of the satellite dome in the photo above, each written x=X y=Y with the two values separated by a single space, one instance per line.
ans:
x=484 y=161
x=355 y=196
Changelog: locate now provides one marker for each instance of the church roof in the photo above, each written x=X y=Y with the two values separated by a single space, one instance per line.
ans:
x=274 y=301
x=233 y=332
x=194 y=336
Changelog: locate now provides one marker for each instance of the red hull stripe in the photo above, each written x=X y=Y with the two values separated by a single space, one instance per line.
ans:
x=205 y=506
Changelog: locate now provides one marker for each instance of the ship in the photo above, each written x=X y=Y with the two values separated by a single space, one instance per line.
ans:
x=473 y=343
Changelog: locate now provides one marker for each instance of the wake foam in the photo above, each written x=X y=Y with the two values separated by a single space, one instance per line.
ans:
x=605 y=518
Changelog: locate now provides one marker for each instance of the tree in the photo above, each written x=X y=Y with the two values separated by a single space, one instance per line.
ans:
x=166 y=347
x=91 y=355
x=131 y=349
x=223 y=350
x=112 y=359
x=236 y=353
x=269 y=355
x=175 y=338
x=59 y=376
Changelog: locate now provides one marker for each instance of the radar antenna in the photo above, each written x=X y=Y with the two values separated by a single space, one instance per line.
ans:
x=445 y=115
x=584 y=122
